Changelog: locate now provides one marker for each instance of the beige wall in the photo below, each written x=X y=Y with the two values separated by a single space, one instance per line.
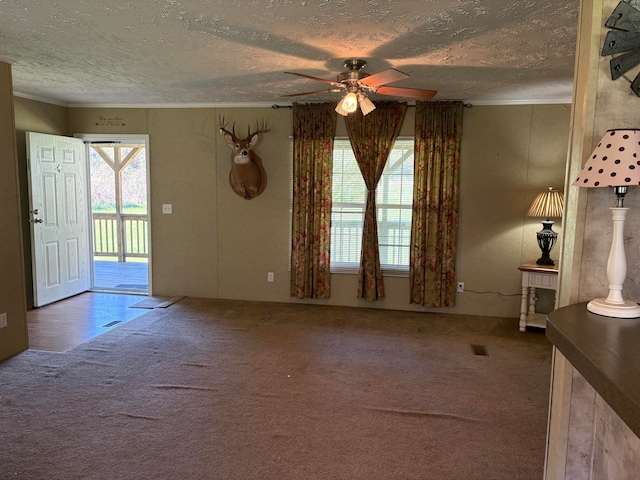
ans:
x=509 y=155
x=13 y=337
x=216 y=244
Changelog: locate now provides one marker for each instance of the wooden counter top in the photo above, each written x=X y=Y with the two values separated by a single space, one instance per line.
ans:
x=606 y=352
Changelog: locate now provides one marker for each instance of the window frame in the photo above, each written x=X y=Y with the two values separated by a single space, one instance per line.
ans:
x=390 y=270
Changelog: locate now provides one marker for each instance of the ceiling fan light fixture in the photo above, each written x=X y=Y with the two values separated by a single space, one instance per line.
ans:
x=350 y=102
x=340 y=109
x=366 y=105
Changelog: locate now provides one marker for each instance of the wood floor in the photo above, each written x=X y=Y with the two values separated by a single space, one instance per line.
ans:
x=70 y=322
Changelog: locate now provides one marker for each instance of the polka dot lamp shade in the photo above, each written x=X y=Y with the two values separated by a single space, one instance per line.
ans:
x=615 y=162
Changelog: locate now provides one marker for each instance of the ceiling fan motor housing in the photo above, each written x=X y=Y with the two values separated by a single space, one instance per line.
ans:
x=354 y=73
x=351 y=76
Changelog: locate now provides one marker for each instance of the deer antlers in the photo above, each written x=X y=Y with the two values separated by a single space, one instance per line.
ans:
x=260 y=128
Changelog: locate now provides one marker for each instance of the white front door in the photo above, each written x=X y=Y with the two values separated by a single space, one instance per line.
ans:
x=58 y=203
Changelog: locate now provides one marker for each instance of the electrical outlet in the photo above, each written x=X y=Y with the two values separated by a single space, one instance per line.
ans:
x=460 y=288
x=3 y=320
x=167 y=208
x=270 y=277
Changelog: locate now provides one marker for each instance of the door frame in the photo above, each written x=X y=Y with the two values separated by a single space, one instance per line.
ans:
x=128 y=137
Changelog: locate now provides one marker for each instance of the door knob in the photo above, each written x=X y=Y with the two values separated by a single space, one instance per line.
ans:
x=37 y=220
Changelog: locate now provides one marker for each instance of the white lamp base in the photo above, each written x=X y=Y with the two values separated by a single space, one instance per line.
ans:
x=614 y=305
x=601 y=306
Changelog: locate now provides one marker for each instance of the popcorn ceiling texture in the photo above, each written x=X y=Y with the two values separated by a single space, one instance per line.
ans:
x=235 y=51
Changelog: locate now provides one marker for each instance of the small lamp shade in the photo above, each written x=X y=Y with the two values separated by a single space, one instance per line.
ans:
x=547 y=205
x=348 y=104
x=615 y=162
x=366 y=105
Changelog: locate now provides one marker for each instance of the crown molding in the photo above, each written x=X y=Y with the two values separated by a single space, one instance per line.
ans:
x=39 y=99
x=537 y=101
x=170 y=105
x=7 y=59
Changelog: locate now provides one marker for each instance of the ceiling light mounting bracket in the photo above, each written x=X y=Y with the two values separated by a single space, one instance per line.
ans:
x=355 y=64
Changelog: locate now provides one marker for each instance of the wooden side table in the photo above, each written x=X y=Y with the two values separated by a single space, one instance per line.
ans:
x=535 y=276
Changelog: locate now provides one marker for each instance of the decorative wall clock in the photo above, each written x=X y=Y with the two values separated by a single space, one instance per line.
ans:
x=624 y=39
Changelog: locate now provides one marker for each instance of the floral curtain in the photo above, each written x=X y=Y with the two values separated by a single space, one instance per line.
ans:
x=434 y=224
x=314 y=128
x=372 y=138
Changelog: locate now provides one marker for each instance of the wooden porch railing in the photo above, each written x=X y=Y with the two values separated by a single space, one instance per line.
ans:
x=120 y=235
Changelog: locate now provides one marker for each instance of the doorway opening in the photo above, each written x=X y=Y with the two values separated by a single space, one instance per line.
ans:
x=120 y=217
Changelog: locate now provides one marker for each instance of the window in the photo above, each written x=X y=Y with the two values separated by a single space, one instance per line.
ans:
x=394 y=198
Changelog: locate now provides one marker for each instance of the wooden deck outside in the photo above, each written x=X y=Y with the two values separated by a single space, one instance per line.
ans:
x=126 y=276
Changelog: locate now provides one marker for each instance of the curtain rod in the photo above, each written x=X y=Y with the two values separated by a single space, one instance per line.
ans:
x=275 y=106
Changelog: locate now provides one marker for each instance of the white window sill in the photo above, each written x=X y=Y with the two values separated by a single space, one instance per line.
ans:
x=386 y=271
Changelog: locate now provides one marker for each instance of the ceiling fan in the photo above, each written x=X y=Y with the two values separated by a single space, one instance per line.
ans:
x=358 y=83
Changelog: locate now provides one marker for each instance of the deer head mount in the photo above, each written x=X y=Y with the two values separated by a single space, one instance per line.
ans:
x=247 y=177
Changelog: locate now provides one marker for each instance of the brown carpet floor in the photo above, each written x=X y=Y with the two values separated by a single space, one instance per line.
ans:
x=213 y=389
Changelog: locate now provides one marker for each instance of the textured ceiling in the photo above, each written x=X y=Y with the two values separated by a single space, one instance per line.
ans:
x=235 y=51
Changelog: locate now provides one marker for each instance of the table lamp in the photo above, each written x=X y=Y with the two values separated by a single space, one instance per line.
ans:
x=548 y=204
x=615 y=162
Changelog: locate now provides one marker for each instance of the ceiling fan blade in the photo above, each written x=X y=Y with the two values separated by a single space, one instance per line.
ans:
x=385 y=76
x=331 y=82
x=331 y=90
x=407 y=92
